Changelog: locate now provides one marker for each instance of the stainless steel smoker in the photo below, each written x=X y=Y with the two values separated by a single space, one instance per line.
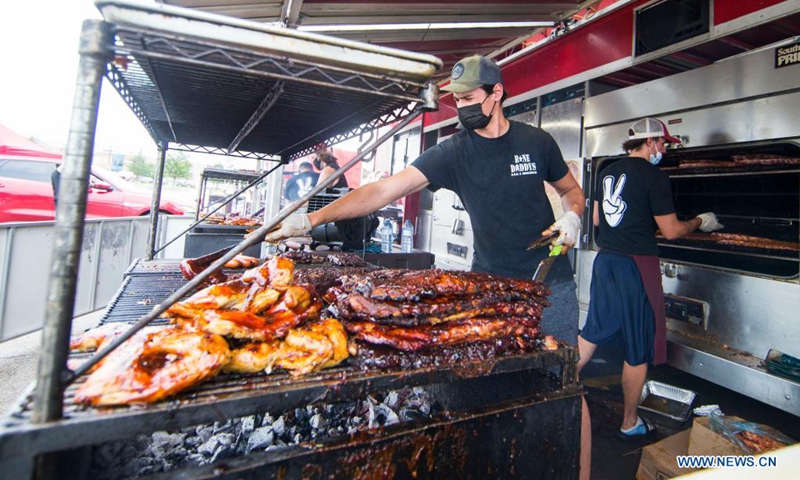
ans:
x=727 y=305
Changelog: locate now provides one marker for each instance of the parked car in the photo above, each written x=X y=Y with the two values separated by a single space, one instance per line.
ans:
x=26 y=193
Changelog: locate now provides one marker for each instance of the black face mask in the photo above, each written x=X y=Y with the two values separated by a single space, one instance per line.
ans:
x=472 y=116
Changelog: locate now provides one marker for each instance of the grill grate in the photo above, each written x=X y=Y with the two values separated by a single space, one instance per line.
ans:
x=234 y=395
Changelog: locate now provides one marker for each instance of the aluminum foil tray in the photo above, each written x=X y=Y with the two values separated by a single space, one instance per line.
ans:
x=667 y=400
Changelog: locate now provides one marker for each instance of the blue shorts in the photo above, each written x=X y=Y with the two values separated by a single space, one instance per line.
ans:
x=619 y=311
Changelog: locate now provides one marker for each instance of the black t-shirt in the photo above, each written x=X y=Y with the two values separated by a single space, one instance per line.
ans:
x=300 y=184
x=501 y=183
x=630 y=192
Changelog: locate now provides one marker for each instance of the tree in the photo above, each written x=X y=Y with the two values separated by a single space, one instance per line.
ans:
x=140 y=167
x=177 y=166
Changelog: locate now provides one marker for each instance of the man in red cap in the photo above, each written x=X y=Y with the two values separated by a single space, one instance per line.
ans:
x=633 y=198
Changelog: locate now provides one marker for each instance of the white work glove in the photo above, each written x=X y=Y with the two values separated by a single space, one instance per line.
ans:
x=568 y=227
x=710 y=223
x=295 y=225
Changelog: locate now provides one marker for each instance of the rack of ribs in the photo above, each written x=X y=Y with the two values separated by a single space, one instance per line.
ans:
x=427 y=309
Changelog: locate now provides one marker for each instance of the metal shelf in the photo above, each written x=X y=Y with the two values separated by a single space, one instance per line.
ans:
x=220 y=85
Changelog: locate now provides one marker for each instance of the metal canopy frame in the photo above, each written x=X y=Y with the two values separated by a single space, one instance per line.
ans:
x=233 y=87
x=175 y=84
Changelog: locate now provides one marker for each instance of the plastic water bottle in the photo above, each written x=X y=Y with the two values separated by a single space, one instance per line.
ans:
x=407 y=237
x=387 y=236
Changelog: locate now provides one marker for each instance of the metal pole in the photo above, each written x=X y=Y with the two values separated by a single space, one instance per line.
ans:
x=68 y=230
x=157 y=184
x=249 y=241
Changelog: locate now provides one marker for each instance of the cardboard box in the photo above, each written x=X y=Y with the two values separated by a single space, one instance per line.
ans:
x=704 y=441
x=659 y=459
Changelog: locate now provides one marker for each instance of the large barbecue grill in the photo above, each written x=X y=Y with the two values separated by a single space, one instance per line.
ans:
x=733 y=295
x=532 y=401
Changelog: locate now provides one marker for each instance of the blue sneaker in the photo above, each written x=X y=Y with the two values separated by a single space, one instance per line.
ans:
x=642 y=429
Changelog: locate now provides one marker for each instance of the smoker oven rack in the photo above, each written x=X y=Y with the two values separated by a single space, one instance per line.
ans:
x=784 y=255
x=730 y=172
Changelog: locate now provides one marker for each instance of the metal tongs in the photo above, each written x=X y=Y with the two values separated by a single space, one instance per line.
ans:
x=542 y=241
x=544 y=266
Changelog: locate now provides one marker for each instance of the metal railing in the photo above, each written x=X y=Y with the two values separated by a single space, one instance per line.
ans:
x=109 y=247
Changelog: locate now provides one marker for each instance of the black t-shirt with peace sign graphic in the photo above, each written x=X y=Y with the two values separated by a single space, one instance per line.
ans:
x=630 y=191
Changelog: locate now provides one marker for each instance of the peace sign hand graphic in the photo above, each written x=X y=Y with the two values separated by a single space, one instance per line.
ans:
x=613 y=205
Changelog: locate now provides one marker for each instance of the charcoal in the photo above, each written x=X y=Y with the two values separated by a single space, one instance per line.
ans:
x=223 y=427
x=208 y=448
x=196 y=459
x=279 y=425
x=206 y=444
x=248 y=424
x=224 y=451
x=391 y=399
x=267 y=420
x=226 y=439
x=193 y=442
x=260 y=438
x=318 y=421
x=178 y=453
x=205 y=432
x=107 y=453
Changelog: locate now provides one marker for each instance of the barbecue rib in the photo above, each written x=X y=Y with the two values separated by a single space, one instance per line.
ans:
x=154 y=365
x=382 y=357
x=452 y=333
x=431 y=311
x=412 y=285
x=323 y=278
x=739 y=240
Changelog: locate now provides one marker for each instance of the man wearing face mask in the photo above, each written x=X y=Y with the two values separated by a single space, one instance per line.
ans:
x=633 y=198
x=498 y=168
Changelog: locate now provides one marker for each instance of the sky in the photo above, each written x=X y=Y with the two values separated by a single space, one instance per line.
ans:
x=39 y=59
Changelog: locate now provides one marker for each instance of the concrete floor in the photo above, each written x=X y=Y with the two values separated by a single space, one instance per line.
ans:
x=19 y=359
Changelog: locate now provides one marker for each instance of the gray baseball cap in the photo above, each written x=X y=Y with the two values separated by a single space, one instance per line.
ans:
x=473 y=72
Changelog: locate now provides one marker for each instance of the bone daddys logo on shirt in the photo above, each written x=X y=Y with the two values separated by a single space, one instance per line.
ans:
x=523 y=165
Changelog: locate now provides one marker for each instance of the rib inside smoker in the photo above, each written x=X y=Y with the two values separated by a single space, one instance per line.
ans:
x=154 y=365
x=739 y=240
x=735 y=161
